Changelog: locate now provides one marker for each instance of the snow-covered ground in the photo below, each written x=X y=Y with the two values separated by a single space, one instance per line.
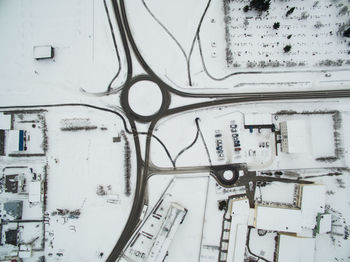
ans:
x=86 y=173
x=319 y=57
x=84 y=53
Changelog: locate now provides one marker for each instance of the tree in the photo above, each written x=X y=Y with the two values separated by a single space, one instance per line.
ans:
x=290 y=11
x=287 y=48
x=222 y=205
x=260 y=5
x=276 y=25
x=347 y=32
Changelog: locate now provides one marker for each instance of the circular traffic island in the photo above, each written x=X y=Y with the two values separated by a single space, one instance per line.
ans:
x=144 y=99
x=225 y=175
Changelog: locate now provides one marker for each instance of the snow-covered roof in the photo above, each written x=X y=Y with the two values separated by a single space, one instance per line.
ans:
x=298 y=136
x=252 y=119
x=175 y=215
x=5 y=121
x=278 y=219
x=313 y=200
x=238 y=231
x=24 y=253
x=296 y=249
x=34 y=191
x=43 y=52
x=324 y=223
x=12 y=143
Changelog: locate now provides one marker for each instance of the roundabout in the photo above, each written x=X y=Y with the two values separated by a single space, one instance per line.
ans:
x=144 y=99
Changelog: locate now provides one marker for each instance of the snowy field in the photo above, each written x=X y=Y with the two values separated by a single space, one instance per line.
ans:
x=336 y=245
x=84 y=54
x=86 y=173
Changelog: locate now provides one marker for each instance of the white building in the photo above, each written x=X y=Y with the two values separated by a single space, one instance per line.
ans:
x=301 y=220
x=14 y=141
x=295 y=249
x=153 y=238
x=35 y=191
x=166 y=233
x=324 y=223
x=5 y=121
x=238 y=231
x=295 y=135
x=257 y=119
x=43 y=52
x=312 y=202
x=278 y=219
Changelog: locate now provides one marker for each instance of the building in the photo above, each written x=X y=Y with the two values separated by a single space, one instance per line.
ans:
x=301 y=220
x=35 y=192
x=2 y=142
x=295 y=249
x=324 y=223
x=11 y=183
x=5 y=121
x=13 y=210
x=166 y=233
x=258 y=121
x=295 y=136
x=5 y=124
x=43 y=52
x=312 y=201
x=15 y=141
x=238 y=230
x=11 y=237
x=153 y=238
x=278 y=219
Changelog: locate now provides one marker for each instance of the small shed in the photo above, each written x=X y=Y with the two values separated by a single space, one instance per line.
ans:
x=43 y=52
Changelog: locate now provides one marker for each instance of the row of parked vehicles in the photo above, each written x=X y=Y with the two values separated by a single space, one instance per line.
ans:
x=219 y=141
x=235 y=136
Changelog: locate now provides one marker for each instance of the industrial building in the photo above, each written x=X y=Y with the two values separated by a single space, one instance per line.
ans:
x=41 y=52
x=174 y=218
x=292 y=249
x=301 y=220
x=295 y=136
x=153 y=238
x=21 y=210
x=238 y=230
x=258 y=121
x=295 y=226
x=10 y=140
